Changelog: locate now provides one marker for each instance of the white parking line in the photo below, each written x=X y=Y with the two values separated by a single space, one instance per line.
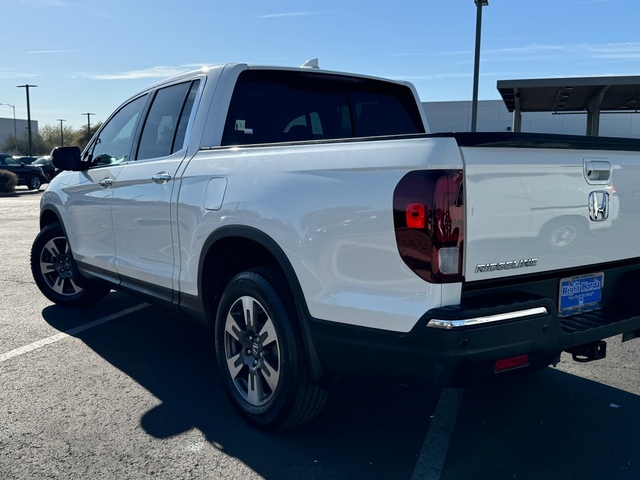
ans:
x=62 y=335
x=436 y=445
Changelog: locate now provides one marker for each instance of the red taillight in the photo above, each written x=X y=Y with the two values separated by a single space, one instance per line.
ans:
x=429 y=223
x=511 y=363
x=415 y=215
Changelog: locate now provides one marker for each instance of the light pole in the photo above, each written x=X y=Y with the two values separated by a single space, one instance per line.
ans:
x=88 y=124
x=476 y=66
x=61 y=131
x=27 y=86
x=15 y=130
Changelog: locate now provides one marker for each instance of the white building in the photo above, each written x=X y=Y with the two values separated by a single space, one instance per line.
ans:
x=493 y=116
x=10 y=127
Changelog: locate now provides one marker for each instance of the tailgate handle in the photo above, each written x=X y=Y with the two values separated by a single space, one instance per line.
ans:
x=597 y=172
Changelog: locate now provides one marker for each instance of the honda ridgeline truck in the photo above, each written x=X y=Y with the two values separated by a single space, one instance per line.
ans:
x=310 y=220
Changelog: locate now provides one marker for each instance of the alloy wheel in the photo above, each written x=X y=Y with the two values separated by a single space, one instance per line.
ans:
x=252 y=351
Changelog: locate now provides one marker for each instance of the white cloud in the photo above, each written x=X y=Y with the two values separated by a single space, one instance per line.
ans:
x=291 y=14
x=433 y=76
x=8 y=74
x=152 y=72
x=41 y=52
x=570 y=53
x=49 y=3
x=615 y=51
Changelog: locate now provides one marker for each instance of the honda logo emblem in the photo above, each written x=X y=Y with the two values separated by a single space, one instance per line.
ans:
x=598 y=206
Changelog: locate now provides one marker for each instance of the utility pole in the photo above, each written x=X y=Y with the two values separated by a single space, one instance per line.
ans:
x=88 y=124
x=61 y=131
x=476 y=65
x=27 y=86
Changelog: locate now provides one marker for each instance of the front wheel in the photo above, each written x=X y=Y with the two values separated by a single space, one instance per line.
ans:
x=53 y=270
x=261 y=354
x=34 y=182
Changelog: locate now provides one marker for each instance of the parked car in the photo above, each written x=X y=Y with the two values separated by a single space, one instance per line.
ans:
x=25 y=160
x=32 y=177
x=45 y=164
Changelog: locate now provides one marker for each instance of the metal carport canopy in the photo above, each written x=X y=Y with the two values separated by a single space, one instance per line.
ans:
x=561 y=95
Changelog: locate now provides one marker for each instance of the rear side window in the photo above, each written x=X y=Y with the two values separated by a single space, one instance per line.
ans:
x=280 y=106
x=167 y=120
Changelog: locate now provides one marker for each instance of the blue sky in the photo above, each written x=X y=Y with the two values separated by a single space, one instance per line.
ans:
x=91 y=55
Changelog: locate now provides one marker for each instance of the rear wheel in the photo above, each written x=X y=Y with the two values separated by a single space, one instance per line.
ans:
x=54 y=272
x=261 y=354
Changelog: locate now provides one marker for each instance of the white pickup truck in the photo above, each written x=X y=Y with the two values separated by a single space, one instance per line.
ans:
x=311 y=221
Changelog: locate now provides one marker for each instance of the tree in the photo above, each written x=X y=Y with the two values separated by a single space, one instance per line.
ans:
x=21 y=146
x=47 y=138
x=52 y=137
x=9 y=145
x=83 y=136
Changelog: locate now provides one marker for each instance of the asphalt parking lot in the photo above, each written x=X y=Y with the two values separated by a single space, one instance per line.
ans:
x=124 y=390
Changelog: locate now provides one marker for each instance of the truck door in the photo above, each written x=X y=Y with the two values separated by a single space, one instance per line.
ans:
x=88 y=221
x=143 y=204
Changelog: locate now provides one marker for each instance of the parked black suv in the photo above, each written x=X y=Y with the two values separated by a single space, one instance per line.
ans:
x=32 y=177
x=45 y=164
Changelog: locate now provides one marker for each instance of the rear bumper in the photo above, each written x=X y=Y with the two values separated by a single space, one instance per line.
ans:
x=459 y=345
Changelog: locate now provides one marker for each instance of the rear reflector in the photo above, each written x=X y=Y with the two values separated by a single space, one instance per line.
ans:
x=449 y=260
x=511 y=363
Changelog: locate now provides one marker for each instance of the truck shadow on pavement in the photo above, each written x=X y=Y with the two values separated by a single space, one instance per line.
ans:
x=368 y=430
x=548 y=425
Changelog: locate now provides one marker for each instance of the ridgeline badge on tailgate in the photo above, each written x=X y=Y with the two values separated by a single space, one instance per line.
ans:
x=508 y=265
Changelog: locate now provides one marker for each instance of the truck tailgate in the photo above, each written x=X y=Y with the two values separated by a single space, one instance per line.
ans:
x=548 y=207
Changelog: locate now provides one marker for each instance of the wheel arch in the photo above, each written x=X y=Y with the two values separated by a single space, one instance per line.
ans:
x=48 y=216
x=234 y=249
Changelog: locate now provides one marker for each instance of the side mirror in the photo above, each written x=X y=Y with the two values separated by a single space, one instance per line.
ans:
x=67 y=158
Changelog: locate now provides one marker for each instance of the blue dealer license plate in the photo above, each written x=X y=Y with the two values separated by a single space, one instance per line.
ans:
x=580 y=294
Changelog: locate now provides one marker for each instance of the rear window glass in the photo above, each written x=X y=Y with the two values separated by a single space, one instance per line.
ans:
x=275 y=107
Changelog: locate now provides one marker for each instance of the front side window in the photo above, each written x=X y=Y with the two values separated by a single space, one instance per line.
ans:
x=166 y=123
x=115 y=139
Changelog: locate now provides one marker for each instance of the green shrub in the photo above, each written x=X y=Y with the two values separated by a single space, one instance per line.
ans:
x=8 y=181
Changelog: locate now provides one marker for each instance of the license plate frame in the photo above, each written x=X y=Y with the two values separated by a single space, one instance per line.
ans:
x=580 y=293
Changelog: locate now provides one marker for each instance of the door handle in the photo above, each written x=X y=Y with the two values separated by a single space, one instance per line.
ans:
x=106 y=182
x=161 y=177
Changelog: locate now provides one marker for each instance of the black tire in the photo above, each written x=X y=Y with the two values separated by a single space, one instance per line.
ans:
x=34 y=182
x=261 y=354
x=54 y=271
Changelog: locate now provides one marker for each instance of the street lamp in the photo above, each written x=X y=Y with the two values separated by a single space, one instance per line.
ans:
x=15 y=131
x=27 y=86
x=61 y=131
x=88 y=123
x=476 y=67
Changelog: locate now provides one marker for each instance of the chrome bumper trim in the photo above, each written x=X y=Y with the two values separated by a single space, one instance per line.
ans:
x=449 y=324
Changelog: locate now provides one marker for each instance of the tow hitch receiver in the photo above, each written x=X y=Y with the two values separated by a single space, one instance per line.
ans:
x=591 y=351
